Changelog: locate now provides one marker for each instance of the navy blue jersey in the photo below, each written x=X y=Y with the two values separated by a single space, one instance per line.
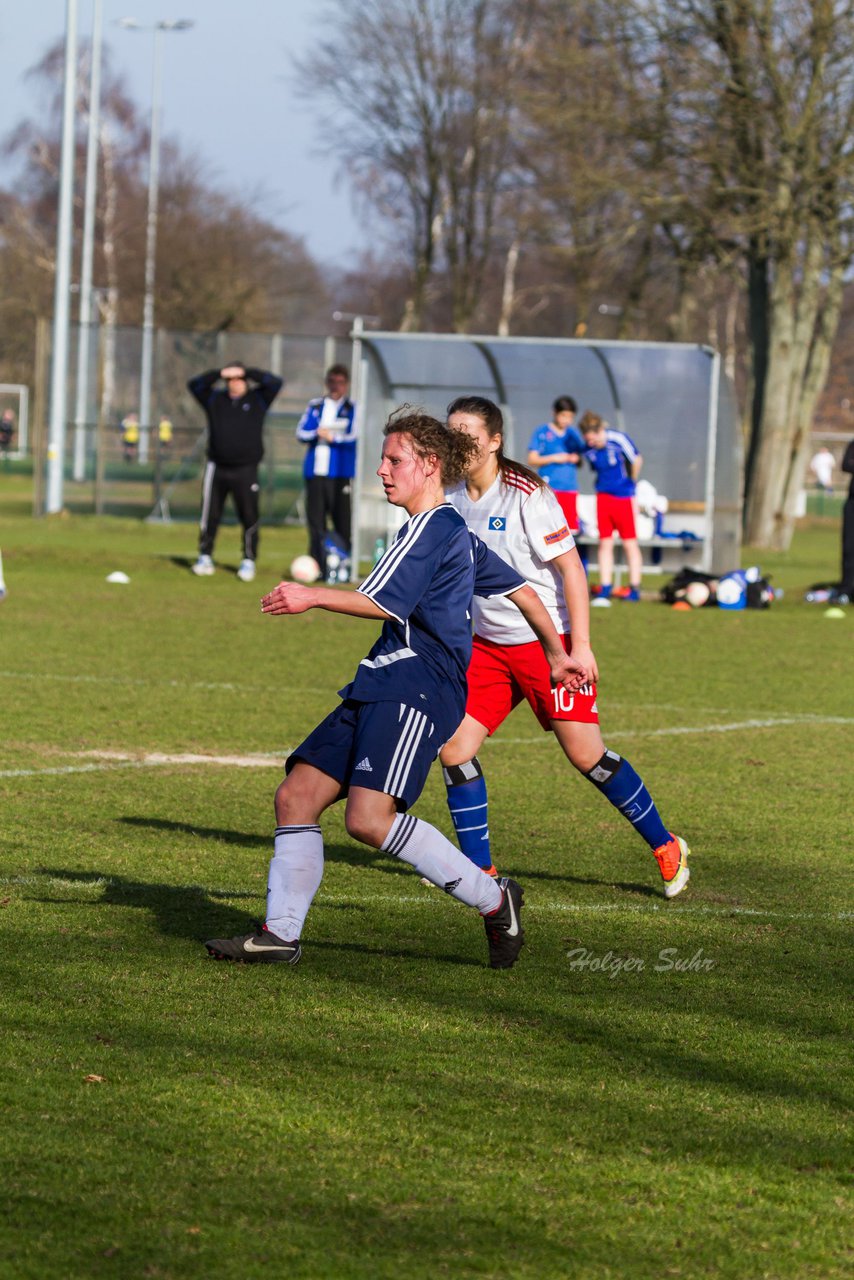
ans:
x=425 y=582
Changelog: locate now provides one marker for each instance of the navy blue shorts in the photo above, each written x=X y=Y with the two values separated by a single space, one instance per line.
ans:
x=384 y=746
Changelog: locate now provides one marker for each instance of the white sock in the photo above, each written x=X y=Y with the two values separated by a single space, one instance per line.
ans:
x=296 y=870
x=440 y=862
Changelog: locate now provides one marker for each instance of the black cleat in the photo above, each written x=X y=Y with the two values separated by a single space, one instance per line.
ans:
x=261 y=947
x=504 y=931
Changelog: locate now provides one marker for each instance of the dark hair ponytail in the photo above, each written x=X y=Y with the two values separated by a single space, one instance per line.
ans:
x=493 y=420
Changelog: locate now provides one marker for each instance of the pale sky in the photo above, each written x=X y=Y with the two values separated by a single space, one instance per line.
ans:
x=230 y=95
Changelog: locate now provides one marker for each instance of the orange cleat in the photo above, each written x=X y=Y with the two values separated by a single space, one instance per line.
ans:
x=672 y=859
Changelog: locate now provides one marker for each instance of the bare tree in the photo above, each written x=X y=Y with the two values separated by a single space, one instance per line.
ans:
x=786 y=120
x=421 y=121
x=713 y=147
x=219 y=264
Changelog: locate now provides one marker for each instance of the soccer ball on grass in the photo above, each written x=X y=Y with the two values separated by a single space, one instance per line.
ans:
x=305 y=569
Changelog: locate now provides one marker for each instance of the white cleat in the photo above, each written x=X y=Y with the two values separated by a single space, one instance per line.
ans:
x=204 y=567
x=246 y=572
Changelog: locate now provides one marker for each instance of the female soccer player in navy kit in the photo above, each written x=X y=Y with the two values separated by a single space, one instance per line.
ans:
x=407 y=698
x=514 y=513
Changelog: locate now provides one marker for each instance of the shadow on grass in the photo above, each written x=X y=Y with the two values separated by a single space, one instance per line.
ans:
x=187 y=562
x=364 y=856
x=353 y=855
x=527 y=873
x=193 y=912
x=245 y=839
x=181 y=911
x=390 y=952
x=180 y=562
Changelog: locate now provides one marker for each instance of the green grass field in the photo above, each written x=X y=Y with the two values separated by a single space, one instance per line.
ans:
x=393 y=1107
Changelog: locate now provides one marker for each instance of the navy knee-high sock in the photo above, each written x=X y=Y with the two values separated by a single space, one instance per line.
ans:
x=617 y=780
x=467 y=802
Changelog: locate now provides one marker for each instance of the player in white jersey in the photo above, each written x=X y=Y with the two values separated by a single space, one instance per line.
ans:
x=516 y=515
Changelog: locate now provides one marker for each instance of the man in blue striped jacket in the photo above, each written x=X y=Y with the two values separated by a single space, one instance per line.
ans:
x=328 y=428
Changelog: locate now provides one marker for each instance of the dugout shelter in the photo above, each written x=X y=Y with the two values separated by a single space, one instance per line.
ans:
x=673 y=399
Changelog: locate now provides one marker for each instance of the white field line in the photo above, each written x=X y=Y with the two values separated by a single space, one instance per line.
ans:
x=599 y=908
x=155 y=759
x=122 y=760
x=257 y=761
x=429 y=899
x=37 y=677
x=735 y=726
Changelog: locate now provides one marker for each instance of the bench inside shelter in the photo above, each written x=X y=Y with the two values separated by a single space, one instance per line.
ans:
x=668 y=541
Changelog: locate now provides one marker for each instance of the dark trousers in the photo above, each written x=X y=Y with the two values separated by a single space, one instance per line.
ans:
x=327 y=498
x=242 y=483
x=848 y=548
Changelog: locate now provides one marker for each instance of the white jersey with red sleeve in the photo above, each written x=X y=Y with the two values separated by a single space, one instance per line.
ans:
x=522 y=522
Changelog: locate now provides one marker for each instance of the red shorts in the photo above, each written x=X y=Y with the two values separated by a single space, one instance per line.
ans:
x=615 y=514
x=500 y=676
x=568 y=500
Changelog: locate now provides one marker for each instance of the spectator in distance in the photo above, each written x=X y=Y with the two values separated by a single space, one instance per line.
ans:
x=235 y=417
x=130 y=437
x=847 y=583
x=328 y=427
x=7 y=429
x=821 y=465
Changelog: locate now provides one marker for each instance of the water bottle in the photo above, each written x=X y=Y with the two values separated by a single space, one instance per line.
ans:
x=333 y=561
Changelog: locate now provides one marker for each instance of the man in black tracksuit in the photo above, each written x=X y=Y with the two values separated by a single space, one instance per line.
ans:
x=235 y=448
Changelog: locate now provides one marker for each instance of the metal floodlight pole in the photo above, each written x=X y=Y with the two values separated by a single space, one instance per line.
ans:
x=62 y=285
x=147 y=361
x=79 y=471
x=150 y=251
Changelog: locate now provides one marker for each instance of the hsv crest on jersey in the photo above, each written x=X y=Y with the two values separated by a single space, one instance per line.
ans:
x=498 y=523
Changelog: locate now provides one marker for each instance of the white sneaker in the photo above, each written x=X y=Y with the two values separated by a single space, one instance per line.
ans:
x=246 y=572
x=204 y=567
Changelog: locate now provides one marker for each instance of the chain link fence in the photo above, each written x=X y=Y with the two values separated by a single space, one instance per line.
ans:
x=160 y=477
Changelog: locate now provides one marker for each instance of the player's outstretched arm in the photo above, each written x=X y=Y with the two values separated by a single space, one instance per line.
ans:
x=291 y=597
x=576 y=594
x=565 y=669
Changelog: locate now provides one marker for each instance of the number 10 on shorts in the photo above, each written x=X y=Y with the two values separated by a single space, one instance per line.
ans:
x=563 y=700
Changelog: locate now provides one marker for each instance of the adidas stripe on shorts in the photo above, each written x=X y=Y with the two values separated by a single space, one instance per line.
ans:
x=384 y=746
